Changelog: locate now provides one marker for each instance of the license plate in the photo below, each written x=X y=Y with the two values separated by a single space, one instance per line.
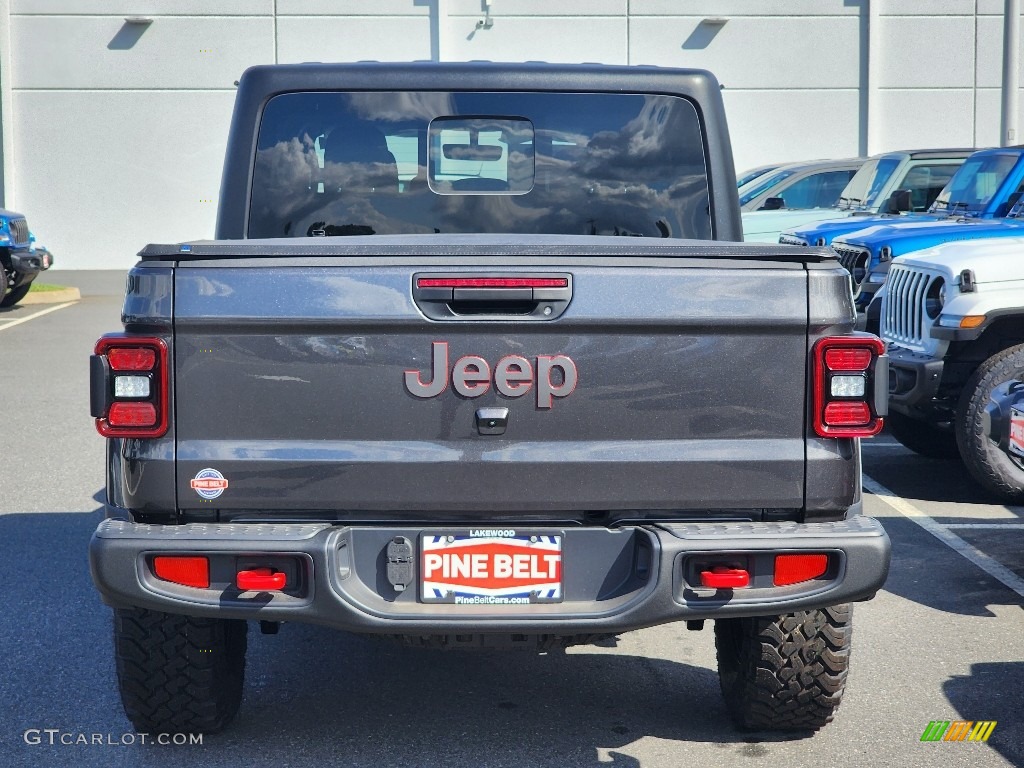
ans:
x=1017 y=431
x=491 y=567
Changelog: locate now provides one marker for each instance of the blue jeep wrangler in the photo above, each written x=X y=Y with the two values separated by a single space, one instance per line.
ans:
x=986 y=186
x=21 y=260
x=986 y=203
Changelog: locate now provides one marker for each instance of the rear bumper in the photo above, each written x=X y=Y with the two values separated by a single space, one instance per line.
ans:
x=615 y=579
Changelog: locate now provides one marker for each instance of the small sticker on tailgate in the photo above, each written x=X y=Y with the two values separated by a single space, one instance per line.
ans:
x=491 y=567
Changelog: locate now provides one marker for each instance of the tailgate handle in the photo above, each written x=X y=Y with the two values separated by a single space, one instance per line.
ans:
x=475 y=295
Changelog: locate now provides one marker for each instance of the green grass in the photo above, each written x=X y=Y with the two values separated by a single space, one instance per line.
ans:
x=44 y=287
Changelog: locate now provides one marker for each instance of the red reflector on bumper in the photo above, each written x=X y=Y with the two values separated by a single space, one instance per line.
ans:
x=724 y=578
x=131 y=358
x=262 y=579
x=187 y=571
x=847 y=414
x=793 y=569
x=131 y=415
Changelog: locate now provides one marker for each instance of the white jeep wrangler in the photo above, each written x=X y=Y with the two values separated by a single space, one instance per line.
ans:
x=953 y=320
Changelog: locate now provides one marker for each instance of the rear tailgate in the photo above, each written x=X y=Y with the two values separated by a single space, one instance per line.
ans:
x=291 y=382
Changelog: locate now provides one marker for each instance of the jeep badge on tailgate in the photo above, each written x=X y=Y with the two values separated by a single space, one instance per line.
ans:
x=513 y=376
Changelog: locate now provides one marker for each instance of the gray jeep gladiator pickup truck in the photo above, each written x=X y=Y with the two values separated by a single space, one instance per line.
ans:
x=467 y=367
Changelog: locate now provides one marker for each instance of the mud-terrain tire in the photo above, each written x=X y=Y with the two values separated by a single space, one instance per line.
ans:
x=921 y=437
x=178 y=674
x=784 y=673
x=994 y=469
x=16 y=295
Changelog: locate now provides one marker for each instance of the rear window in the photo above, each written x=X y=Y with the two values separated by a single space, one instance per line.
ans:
x=330 y=164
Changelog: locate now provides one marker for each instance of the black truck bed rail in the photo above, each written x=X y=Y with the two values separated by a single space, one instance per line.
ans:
x=559 y=247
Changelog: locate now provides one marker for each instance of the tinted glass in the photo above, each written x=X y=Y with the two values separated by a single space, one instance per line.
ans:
x=1010 y=206
x=832 y=185
x=748 y=176
x=879 y=180
x=1016 y=201
x=974 y=183
x=544 y=163
x=871 y=176
x=758 y=186
x=925 y=182
x=818 y=190
x=480 y=155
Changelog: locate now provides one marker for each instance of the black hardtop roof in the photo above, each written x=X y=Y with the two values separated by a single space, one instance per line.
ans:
x=263 y=82
x=460 y=75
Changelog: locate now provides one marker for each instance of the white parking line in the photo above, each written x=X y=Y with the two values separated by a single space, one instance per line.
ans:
x=993 y=568
x=987 y=526
x=34 y=315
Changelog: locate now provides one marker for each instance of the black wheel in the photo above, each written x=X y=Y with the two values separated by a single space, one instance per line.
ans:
x=16 y=295
x=179 y=674
x=921 y=437
x=994 y=469
x=784 y=673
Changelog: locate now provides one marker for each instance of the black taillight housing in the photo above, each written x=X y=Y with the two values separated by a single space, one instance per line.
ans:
x=129 y=382
x=848 y=400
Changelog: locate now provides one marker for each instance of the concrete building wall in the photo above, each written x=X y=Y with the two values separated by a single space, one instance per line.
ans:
x=114 y=130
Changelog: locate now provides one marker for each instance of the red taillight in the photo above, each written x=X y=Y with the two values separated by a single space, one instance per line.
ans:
x=131 y=358
x=134 y=405
x=844 y=386
x=793 y=569
x=846 y=414
x=187 y=571
x=842 y=359
x=132 y=415
x=492 y=282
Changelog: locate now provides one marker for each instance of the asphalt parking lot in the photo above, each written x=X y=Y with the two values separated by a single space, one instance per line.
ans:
x=943 y=641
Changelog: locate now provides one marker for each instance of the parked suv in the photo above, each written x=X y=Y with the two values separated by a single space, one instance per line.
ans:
x=953 y=320
x=799 y=185
x=19 y=264
x=989 y=205
x=893 y=183
x=984 y=187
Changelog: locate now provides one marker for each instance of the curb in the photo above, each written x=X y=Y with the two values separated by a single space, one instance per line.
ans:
x=51 y=297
